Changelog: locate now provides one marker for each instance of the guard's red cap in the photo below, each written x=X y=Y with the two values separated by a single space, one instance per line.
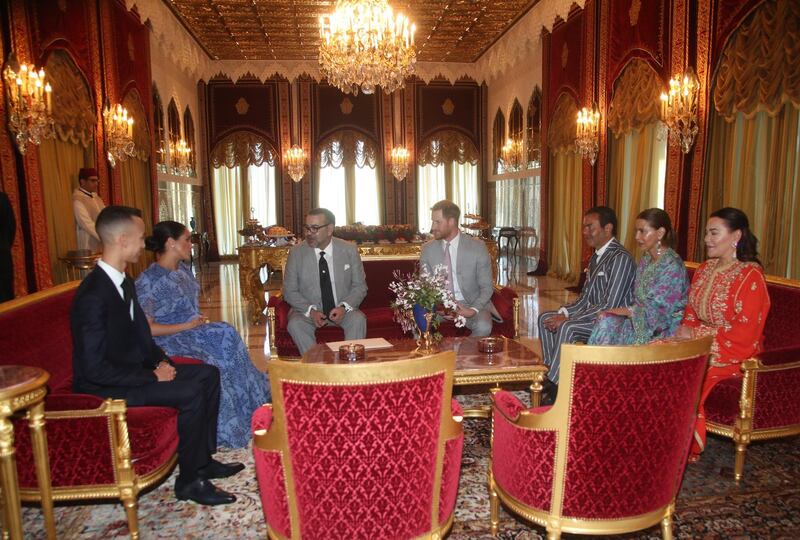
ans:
x=87 y=173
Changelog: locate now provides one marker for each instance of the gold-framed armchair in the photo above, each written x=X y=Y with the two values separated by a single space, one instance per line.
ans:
x=366 y=451
x=608 y=457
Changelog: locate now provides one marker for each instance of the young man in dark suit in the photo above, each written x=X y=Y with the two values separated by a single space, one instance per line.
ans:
x=114 y=356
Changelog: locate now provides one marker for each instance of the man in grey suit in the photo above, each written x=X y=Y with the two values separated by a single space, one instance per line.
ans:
x=324 y=282
x=609 y=284
x=469 y=267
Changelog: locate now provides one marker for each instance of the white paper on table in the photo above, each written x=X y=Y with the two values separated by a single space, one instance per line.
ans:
x=369 y=344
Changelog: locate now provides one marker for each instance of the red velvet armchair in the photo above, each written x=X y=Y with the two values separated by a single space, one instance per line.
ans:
x=608 y=457
x=365 y=451
x=98 y=449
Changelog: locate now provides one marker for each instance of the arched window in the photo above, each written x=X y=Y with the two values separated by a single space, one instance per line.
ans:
x=188 y=133
x=244 y=185
x=534 y=129
x=447 y=169
x=348 y=180
x=160 y=131
x=498 y=139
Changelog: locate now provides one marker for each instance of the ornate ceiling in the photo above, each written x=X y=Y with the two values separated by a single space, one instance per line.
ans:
x=447 y=30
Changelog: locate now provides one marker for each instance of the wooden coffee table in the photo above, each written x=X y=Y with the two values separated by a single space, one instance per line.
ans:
x=516 y=363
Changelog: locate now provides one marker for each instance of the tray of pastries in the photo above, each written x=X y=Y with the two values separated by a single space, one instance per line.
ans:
x=276 y=231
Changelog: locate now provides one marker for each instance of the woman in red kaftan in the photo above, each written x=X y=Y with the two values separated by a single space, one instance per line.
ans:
x=728 y=299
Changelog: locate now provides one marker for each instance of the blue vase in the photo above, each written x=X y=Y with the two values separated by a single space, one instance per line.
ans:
x=419 y=317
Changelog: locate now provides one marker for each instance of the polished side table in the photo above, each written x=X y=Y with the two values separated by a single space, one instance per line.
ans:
x=23 y=388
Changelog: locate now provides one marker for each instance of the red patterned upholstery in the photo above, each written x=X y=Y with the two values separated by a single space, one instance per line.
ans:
x=363 y=452
x=84 y=432
x=380 y=319
x=624 y=416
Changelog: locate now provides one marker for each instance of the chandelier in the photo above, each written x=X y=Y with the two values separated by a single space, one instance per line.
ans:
x=364 y=45
x=399 y=162
x=586 y=142
x=30 y=105
x=119 y=134
x=511 y=155
x=295 y=160
x=679 y=111
x=181 y=158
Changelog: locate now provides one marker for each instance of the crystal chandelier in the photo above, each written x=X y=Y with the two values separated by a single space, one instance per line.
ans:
x=586 y=142
x=399 y=162
x=30 y=105
x=511 y=155
x=295 y=160
x=364 y=45
x=119 y=134
x=181 y=158
x=679 y=111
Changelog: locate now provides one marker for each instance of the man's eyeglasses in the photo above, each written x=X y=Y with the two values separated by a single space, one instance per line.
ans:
x=314 y=228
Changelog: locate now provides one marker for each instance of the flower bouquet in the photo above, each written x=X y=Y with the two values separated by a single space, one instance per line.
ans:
x=422 y=302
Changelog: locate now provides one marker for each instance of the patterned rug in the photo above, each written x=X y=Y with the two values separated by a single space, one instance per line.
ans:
x=711 y=505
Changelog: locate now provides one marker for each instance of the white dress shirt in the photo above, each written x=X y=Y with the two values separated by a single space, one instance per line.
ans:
x=599 y=252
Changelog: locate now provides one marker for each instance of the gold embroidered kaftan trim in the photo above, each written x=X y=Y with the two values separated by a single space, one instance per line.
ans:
x=760 y=67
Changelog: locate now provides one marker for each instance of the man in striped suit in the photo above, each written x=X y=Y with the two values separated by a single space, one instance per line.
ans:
x=609 y=284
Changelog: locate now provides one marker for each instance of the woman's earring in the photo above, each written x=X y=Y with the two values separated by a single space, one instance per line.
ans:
x=658 y=248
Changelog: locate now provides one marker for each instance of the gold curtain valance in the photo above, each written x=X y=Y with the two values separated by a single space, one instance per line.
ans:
x=447 y=147
x=760 y=67
x=242 y=148
x=347 y=148
x=563 y=129
x=636 y=102
x=141 y=132
x=73 y=110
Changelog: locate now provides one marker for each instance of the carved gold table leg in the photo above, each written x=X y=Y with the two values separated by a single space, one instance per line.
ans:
x=8 y=471
x=39 y=442
x=536 y=389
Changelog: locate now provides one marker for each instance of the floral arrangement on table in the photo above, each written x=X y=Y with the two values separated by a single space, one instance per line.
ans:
x=420 y=293
x=375 y=233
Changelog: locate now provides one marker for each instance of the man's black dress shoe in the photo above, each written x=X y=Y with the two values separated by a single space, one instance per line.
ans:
x=202 y=491
x=549 y=392
x=215 y=469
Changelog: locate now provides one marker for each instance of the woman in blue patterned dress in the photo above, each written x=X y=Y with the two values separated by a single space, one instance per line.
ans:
x=168 y=293
x=660 y=289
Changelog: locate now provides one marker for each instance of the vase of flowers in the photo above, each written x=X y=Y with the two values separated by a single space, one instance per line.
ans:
x=422 y=301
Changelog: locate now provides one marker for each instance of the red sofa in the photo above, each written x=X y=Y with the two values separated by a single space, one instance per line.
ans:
x=380 y=322
x=98 y=449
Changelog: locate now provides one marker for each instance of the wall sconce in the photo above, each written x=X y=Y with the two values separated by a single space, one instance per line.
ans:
x=295 y=160
x=588 y=131
x=679 y=110
x=398 y=162
x=119 y=134
x=30 y=105
x=511 y=155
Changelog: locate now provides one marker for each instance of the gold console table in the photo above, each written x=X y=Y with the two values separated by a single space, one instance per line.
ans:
x=253 y=258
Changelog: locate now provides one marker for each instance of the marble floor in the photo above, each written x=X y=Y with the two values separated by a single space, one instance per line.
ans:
x=221 y=299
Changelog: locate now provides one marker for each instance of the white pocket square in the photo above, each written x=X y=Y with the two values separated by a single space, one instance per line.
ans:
x=347 y=267
x=601 y=273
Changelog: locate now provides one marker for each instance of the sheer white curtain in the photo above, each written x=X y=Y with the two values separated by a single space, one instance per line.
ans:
x=228 y=211
x=263 y=198
x=332 y=192
x=367 y=209
x=360 y=184
x=456 y=182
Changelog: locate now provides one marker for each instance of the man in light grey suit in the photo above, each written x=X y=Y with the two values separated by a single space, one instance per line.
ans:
x=324 y=282
x=468 y=262
x=609 y=284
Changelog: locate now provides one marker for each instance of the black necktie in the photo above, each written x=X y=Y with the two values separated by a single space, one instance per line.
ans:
x=325 y=285
x=127 y=292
